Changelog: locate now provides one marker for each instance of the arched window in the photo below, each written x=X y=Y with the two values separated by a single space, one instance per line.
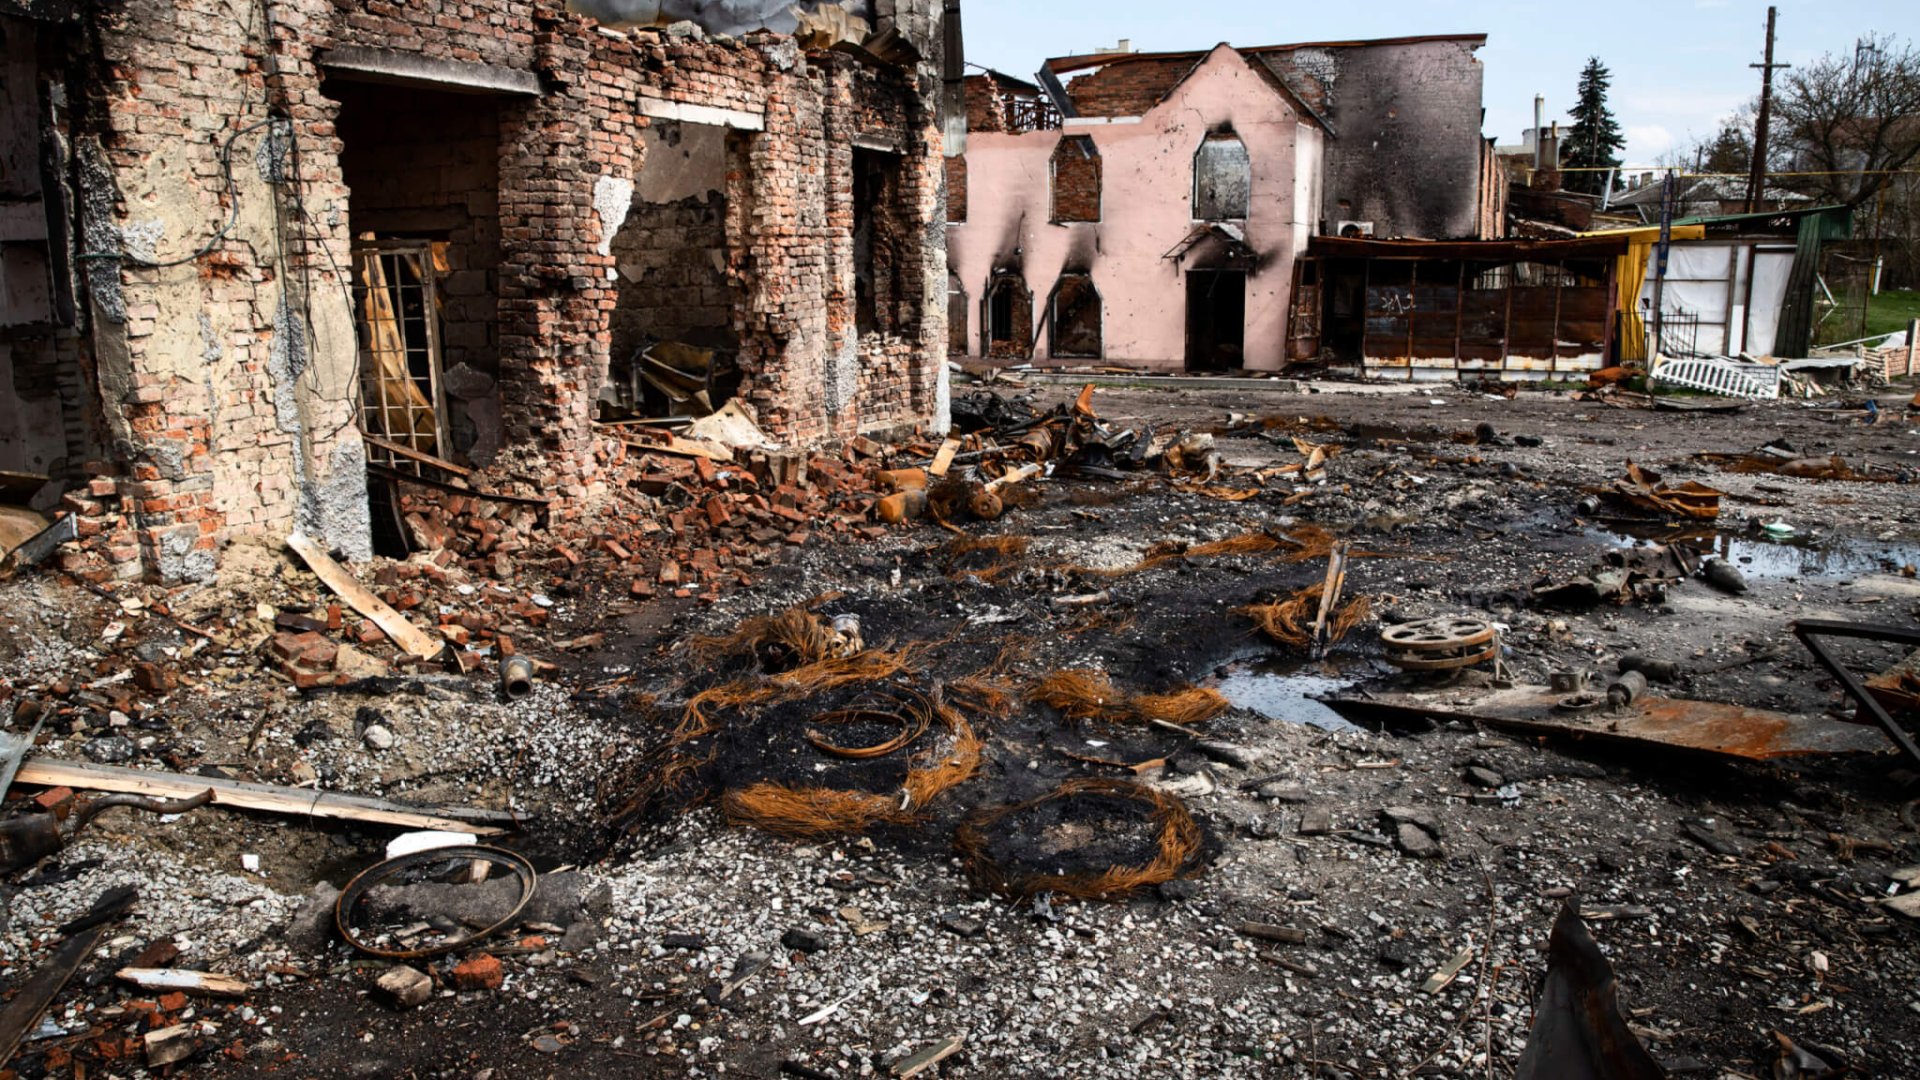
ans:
x=1074 y=319
x=1076 y=179
x=1222 y=178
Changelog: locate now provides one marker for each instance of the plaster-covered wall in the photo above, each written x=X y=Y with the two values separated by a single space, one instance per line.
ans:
x=1146 y=211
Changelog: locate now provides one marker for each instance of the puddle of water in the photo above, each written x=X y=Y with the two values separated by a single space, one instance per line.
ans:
x=1826 y=558
x=1285 y=690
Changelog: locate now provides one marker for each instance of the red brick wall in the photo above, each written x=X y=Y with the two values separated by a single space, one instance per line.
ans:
x=1076 y=179
x=1129 y=87
x=957 y=189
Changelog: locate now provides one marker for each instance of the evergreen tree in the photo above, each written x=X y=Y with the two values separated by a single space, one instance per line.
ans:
x=1594 y=140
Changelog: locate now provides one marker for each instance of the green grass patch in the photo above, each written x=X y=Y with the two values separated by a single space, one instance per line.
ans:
x=1891 y=311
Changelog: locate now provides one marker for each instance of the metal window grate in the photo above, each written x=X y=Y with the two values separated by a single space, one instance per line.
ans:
x=396 y=303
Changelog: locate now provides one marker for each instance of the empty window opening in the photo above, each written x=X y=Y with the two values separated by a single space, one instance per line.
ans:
x=956 y=315
x=880 y=232
x=45 y=436
x=1222 y=178
x=1009 y=318
x=1075 y=327
x=1076 y=179
x=422 y=169
x=1216 y=320
x=674 y=329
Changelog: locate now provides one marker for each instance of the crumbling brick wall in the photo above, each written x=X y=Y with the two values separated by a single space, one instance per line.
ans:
x=229 y=376
x=674 y=284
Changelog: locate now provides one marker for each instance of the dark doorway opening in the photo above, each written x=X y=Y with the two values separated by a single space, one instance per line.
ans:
x=1216 y=319
x=1010 y=318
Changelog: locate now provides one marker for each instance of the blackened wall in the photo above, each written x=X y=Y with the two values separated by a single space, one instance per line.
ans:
x=1406 y=151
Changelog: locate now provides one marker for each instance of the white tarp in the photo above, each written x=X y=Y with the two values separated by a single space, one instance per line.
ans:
x=1769 y=290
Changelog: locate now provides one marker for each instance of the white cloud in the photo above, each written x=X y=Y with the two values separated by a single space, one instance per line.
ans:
x=1648 y=141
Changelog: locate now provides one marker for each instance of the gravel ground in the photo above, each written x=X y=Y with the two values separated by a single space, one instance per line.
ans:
x=1713 y=951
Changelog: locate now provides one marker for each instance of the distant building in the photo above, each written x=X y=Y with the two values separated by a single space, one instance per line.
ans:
x=1148 y=209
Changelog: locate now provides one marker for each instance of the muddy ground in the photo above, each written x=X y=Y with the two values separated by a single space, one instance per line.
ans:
x=1714 y=951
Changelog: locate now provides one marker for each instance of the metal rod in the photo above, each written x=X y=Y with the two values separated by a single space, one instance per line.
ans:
x=1810 y=630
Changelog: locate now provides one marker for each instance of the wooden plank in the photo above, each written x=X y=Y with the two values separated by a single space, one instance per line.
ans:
x=204 y=983
x=404 y=634
x=677 y=446
x=40 y=989
x=926 y=1059
x=244 y=795
x=943 y=460
x=411 y=454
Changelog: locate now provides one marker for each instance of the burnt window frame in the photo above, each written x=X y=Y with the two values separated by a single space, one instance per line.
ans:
x=1221 y=136
x=1099 y=317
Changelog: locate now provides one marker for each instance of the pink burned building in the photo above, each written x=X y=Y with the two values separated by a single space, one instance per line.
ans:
x=1152 y=209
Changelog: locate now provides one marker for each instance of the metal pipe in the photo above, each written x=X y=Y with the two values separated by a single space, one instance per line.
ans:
x=516 y=677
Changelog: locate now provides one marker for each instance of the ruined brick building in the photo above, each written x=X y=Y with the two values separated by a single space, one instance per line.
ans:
x=1150 y=209
x=234 y=233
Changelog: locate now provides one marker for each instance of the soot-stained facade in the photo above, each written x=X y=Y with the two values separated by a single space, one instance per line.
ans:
x=1177 y=191
x=236 y=236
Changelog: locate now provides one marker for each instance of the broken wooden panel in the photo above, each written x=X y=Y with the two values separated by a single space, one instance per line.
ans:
x=395 y=300
x=1670 y=723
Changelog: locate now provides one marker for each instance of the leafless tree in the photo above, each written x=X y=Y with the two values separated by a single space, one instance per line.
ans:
x=1855 y=116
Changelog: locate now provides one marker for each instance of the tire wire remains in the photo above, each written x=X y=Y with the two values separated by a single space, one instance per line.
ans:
x=1177 y=845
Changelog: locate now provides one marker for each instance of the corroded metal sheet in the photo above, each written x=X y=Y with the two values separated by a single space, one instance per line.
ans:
x=1680 y=723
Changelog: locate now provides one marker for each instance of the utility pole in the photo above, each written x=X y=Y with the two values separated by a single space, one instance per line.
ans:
x=1757 y=178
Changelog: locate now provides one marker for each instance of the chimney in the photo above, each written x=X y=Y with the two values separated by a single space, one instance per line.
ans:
x=1539 y=129
x=1126 y=45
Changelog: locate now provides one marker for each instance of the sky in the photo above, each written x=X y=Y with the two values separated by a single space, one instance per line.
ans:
x=1679 y=66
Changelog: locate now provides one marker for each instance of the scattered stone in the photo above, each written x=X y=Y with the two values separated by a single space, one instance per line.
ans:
x=312 y=926
x=1704 y=835
x=1189 y=763
x=1396 y=954
x=548 y=1044
x=482 y=972
x=406 y=987
x=110 y=750
x=798 y=939
x=377 y=737
x=1413 y=815
x=1316 y=823
x=1416 y=841
x=1485 y=778
x=1178 y=889
x=1724 y=576
x=1284 y=792
x=965 y=926
x=169 y=1045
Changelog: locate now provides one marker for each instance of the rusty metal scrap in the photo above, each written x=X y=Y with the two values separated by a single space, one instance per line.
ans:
x=1642 y=493
x=1810 y=631
x=1579 y=1032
